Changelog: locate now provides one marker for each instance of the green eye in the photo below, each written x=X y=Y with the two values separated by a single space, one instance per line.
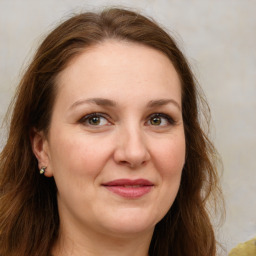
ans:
x=155 y=121
x=160 y=119
x=95 y=119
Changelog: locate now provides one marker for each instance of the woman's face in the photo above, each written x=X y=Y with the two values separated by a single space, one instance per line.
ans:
x=116 y=144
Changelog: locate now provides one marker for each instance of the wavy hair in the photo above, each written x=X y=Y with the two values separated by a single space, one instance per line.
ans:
x=29 y=221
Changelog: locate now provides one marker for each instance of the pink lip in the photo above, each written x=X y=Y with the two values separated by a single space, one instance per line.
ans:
x=129 y=188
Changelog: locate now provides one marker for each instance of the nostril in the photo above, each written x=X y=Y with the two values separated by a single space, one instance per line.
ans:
x=124 y=163
x=131 y=164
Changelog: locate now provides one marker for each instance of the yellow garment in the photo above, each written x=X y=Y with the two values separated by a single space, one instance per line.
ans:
x=245 y=249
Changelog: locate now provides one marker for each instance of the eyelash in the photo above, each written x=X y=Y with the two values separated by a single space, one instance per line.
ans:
x=169 y=119
x=85 y=119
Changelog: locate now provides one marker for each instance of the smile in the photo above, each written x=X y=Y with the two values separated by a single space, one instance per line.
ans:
x=129 y=188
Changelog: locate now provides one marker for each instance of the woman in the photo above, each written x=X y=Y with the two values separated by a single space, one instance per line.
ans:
x=105 y=154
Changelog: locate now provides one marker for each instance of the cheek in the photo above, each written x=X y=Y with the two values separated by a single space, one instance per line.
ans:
x=169 y=162
x=170 y=156
x=78 y=154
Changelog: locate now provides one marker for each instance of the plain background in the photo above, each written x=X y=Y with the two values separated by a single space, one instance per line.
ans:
x=219 y=40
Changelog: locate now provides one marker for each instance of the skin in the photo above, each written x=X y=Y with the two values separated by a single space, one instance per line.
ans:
x=129 y=84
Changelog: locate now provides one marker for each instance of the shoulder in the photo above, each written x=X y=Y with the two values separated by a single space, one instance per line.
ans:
x=245 y=249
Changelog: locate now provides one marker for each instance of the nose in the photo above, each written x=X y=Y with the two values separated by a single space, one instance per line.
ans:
x=131 y=148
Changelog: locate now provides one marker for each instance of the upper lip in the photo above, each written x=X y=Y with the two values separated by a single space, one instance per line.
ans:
x=128 y=182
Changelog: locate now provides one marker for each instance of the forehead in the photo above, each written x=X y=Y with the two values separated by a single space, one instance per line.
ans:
x=114 y=67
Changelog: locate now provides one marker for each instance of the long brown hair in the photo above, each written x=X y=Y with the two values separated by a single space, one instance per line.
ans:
x=29 y=221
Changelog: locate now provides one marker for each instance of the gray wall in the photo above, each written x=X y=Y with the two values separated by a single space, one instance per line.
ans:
x=219 y=40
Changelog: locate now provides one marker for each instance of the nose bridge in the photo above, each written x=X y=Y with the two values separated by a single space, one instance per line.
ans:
x=134 y=140
x=131 y=146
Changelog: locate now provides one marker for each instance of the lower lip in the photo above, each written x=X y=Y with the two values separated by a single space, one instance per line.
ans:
x=130 y=192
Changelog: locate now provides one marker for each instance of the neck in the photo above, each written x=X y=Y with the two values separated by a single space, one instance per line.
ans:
x=100 y=244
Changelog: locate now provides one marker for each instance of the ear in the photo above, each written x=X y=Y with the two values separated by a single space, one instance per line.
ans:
x=40 y=147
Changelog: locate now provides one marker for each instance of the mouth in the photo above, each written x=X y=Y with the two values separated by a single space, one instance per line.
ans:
x=129 y=188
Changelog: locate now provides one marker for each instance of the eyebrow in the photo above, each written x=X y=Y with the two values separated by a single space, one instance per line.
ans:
x=162 y=102
x=111 y=103
x=97 y=101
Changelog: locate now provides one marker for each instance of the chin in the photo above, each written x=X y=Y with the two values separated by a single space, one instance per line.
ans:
x=130 y=230
x=131 y=223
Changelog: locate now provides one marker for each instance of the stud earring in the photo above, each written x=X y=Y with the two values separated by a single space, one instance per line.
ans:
x=42 y=170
